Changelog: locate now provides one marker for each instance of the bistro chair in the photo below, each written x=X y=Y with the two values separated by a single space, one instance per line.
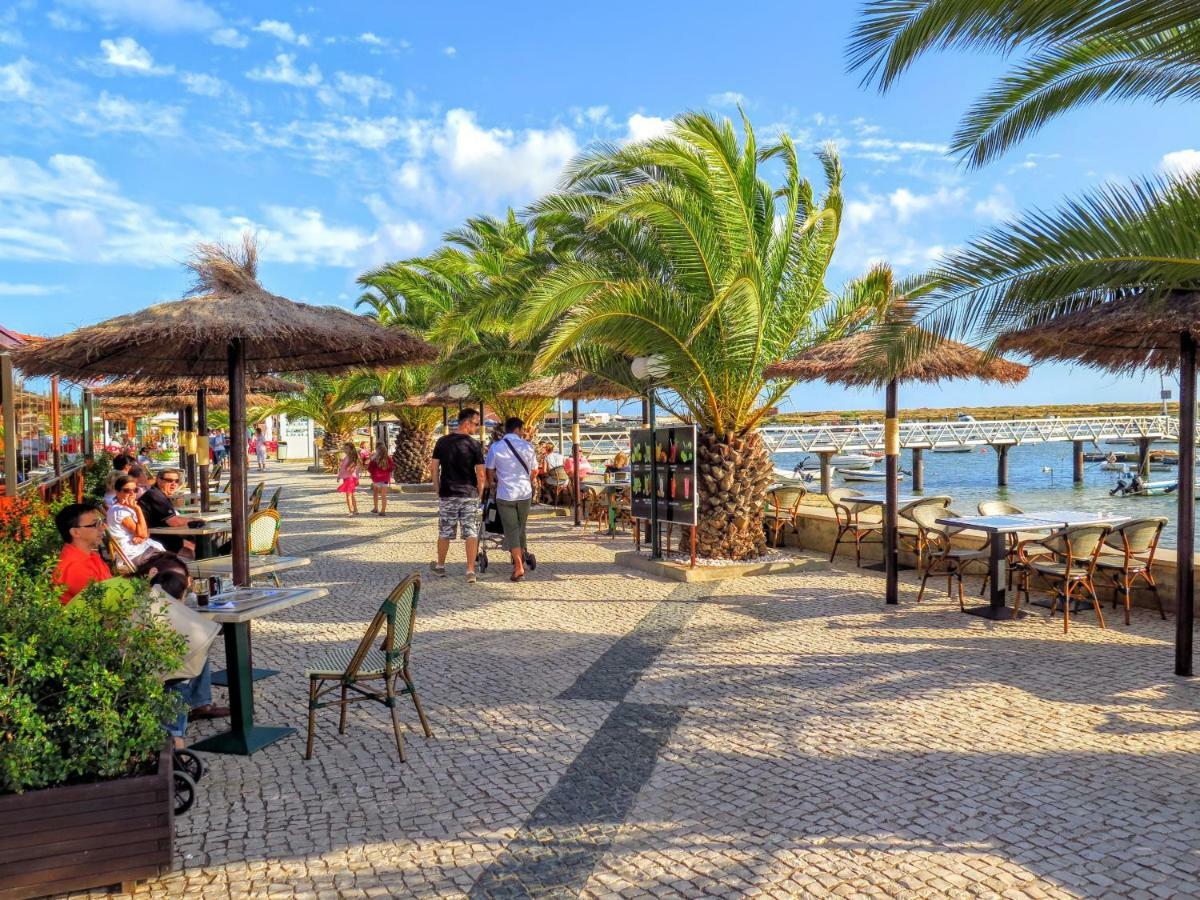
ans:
x=908 y=532
x=262 y=535
x=118 y=561
x=1004 y=508
x=942 y=557
x=558 y=483
x=254 y=501
x=783 y=511
x=214 y=476
x=371 y=672
x=1128 y=554
x=855 y=523
x=1066 y=560
x=998 y=508
x=274 y=504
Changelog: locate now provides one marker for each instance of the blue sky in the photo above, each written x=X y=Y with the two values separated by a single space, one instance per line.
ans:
x=352 y=133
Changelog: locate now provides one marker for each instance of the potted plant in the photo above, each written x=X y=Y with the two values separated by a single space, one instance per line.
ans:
x=86 y=786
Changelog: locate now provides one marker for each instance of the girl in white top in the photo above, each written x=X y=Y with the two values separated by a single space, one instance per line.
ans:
x=127 y=523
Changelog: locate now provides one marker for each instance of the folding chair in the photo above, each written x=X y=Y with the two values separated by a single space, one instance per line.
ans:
x=355 y=670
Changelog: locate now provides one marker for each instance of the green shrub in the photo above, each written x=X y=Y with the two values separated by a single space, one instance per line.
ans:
x=95 y=478
x=81 y=686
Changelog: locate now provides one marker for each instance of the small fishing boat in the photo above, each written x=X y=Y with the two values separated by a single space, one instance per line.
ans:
x=953 y=449
x=1138 y=488
x=797 y=475
x=853 y=461
x=866 y=475
x=1114 y=467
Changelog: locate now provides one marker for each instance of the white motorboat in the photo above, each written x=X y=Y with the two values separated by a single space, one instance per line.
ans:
x=866 y=475
x=853 y=461
x=953 y=449
x=793 y=476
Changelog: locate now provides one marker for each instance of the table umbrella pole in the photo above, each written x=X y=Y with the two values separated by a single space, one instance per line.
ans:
x=237 y=462
x=1185 y=585
x=575 y=455
x=182 y=441
x=189 y=424
x=202 y=445
x=891 y=448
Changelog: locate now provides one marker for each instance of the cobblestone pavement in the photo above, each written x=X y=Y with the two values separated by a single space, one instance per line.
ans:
x=600 y=733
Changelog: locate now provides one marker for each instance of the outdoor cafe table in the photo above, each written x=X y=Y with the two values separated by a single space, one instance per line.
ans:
x=203 y=536
x=234 y=610
x=222 y=566
x=611 y=491
x=998 y=528
x=881 y=501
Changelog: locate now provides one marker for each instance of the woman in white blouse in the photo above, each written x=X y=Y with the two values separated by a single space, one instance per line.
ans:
x=127 y=523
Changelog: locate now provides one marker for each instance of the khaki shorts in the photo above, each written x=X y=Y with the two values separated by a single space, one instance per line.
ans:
x=458 y=513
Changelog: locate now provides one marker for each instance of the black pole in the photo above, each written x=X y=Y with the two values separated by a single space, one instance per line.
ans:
x=1143 y=461
x=1077 y=462
x=1185 y=585
x=237 y=462
x=202 y=445
x=189 y=422
x=1001 y=465
x=575 y=455
x=918 y=472
x=645 y=413
x=181 y=431
x=655 y=536
x=445 y=420
x=891 y=449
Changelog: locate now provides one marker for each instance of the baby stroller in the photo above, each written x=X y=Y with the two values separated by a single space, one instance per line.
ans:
x=491 y=534
x=188 y=770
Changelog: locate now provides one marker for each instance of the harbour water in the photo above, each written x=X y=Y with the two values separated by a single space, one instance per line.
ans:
x=1039 y=477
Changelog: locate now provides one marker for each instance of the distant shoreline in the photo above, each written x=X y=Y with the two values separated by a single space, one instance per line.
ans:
x=950 y=413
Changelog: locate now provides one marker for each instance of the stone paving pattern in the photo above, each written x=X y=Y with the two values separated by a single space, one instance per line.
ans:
x=600 y=733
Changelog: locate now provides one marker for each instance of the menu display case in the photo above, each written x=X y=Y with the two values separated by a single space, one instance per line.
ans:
x=672 y=477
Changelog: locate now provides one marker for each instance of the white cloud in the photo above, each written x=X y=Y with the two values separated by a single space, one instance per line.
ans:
x=997 y=206
x=15 y=83
x=228 y=37
x=363 y=87
x=873 y=143
x=450 y=51
x=1179 y=163
x=8 y=289
x=643 y=128
x=861 y=212
x=906 y=204
x=499 y=161
x=126 y=53
x=64 y=22
x=112 y=112
x=285 y=72
x=727 y=98
x=368 y=37
x=159 y=15
x=204 y=85
x=283 y=31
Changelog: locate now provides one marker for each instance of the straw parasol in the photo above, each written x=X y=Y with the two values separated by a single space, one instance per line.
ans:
x=160 y=386
x=1125 y=336
x=227 y=326
x=857 y=361
x=123 y=406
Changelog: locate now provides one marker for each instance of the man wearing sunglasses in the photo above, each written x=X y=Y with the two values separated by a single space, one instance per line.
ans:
x=160 y=511
x=82 y=528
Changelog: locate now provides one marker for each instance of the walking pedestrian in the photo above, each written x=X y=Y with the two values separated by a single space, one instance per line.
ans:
x=457 y=470
x=260 y=448
x=380 y=469
x=348 y=477
x=510 y=465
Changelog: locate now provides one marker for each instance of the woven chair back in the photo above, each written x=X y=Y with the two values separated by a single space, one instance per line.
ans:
x=120 y=561
x=937 y=502
x=1080 y=543
x=998 y=508
x=396 y=615
x=787 y=499
x=255 y=499
x=274 y=504
x=1137 y=537
x=262 y=532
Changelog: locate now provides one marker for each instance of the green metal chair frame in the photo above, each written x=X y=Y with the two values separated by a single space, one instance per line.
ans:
x=355 y=671
x=254 y=501
x=1067 y=561
x=1137 y=542
x=274 y=504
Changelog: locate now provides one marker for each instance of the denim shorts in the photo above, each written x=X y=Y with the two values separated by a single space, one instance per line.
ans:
x=455 y=513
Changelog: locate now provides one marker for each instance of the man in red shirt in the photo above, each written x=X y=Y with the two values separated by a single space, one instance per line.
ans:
x=82 y=528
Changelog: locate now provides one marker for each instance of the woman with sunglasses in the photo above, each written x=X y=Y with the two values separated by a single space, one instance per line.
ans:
x=127 y=523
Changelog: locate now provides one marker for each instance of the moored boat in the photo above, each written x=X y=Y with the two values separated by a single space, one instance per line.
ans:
x=866 y=475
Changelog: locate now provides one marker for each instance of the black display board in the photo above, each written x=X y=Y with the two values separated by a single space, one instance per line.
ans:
x=676 y=473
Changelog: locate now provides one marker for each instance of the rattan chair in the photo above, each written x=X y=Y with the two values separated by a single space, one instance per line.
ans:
x=214 y=476
x=358 y=670
x=1066 y=560
x=558 y=483
x=908 y=532
x=118 y=561
x=1128 y=554
x=262 y=535
x=855 y=523
x=784 y=510
x=942 y=556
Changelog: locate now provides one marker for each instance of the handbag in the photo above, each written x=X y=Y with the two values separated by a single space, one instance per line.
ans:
x=491 y=517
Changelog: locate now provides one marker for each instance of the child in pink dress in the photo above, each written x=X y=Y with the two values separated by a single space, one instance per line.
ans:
x=348 y=475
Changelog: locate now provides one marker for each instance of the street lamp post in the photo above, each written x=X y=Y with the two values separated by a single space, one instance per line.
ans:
x=652 y=369
x=375 y=405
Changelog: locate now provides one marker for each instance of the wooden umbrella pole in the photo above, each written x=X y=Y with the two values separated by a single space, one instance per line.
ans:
x=189 y=424
x=237 y=462
x=181 y=435
x=575 y=456
x=202 y=445
x=1185 y=585
x=891 y=447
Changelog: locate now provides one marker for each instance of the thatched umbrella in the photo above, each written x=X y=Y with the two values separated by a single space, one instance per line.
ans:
x=856 y=361
x=573 y=386
x=228 y=326
x=1127 y=336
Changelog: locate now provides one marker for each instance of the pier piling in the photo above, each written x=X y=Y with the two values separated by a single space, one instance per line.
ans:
x=1001 y=464
x=1143 y=461
x=1077 y=462
x=918 y=469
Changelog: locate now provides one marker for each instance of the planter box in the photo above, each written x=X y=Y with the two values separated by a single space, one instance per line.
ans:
x=81 y=836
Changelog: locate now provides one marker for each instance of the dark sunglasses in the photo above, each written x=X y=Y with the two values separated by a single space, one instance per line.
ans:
x=131 y=490
x=169 y=480
x=95 y=524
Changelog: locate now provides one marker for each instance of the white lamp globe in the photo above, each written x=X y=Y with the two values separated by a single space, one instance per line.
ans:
x=458 y=391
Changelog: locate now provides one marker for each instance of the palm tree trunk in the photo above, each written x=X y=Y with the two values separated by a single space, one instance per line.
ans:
x=331 y=448
x=412 y=453
x=734 y=476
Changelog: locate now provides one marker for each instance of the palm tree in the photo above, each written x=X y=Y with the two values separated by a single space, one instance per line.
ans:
x=1081 y=51
x=414 y=436
x=324 y=401
x=682 y=250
